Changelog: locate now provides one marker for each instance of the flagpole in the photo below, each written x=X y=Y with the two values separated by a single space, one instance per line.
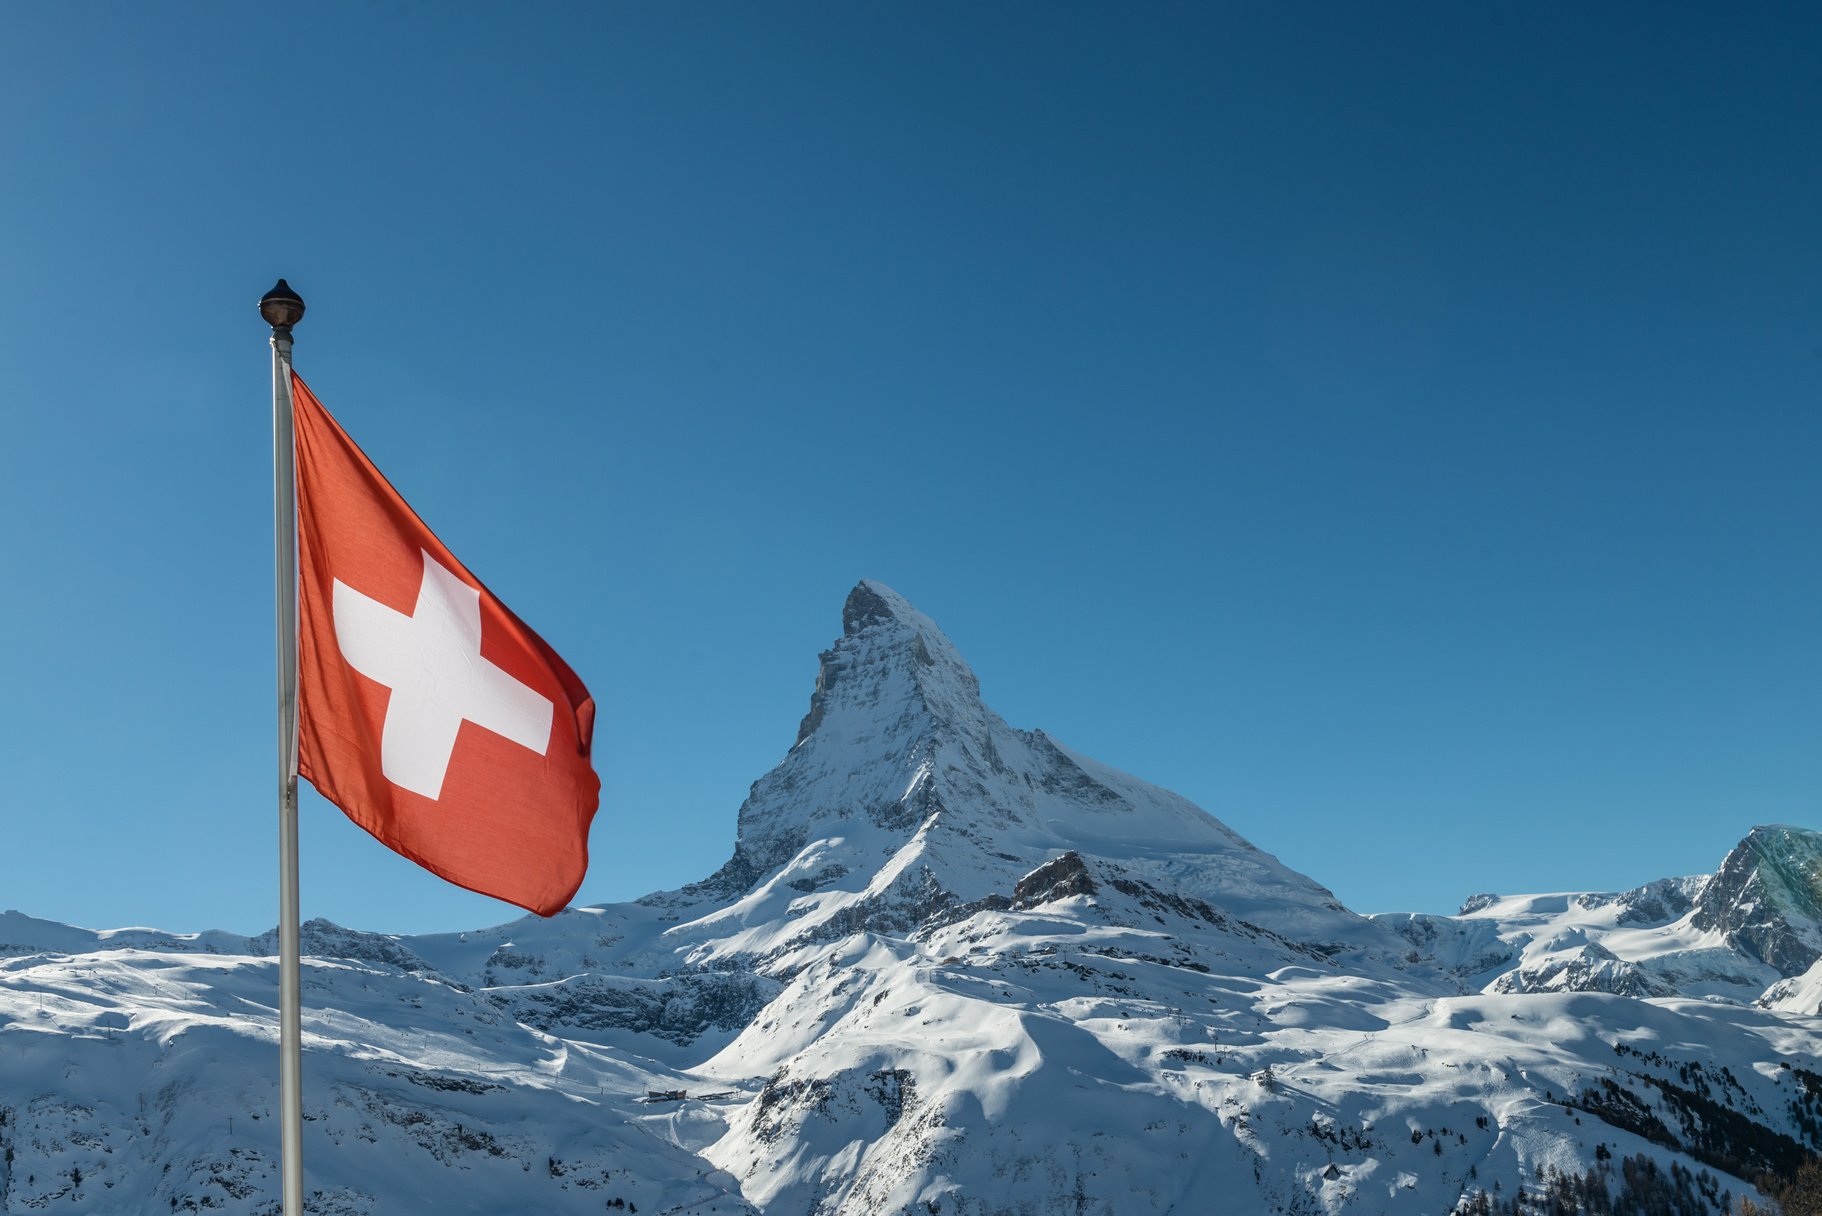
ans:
x=282 y=308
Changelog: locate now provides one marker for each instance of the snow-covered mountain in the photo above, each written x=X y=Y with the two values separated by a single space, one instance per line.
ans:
x=952 y=968
x=1755 y=923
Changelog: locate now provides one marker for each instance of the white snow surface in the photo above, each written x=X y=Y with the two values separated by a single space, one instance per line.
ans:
x=1798 y=994
x=952 y=969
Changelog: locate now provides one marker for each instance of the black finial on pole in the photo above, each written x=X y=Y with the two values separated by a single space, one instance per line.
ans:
x=281 y=307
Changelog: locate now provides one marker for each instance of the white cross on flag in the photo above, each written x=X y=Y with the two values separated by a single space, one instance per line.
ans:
x=428 y=712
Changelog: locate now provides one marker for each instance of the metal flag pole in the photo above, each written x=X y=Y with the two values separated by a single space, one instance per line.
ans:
x=282 y=308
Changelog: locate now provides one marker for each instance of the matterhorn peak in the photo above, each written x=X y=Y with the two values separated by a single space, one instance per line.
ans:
x=891 y=656
x=906 y=796
x=874 y=603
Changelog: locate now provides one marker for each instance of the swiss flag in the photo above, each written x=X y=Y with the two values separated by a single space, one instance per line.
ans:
x=429 y=713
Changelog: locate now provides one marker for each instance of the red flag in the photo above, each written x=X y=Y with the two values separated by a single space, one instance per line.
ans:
x=428 y=712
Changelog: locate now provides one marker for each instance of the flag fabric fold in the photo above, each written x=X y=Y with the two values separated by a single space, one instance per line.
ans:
x=430 y=714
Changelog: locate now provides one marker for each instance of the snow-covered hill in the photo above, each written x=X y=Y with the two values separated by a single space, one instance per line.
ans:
x=139 y=1078
x=952 y=968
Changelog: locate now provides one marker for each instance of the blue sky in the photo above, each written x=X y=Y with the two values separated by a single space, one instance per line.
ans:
x=1393 y=427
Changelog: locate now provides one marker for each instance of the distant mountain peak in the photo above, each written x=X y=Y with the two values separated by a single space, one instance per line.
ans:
x=1767 y=897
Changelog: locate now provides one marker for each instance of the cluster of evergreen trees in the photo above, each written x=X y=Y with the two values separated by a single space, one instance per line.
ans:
x=1640 y=1187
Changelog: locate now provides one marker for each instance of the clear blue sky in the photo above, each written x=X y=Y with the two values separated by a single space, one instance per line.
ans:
x=1394 y=427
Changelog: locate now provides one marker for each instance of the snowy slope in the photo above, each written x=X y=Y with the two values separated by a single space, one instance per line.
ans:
x=952 y=968
x=1798 y=994
x=140 y=1080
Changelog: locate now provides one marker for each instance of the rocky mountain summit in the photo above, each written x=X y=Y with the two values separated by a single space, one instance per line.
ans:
x=951 y=968
x=899 y=758
x=1766 y=899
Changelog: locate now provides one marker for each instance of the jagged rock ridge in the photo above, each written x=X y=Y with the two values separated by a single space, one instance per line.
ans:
x=1767 y=898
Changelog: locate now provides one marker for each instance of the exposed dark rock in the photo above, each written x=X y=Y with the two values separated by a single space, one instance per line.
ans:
x=1065 y=777
x=864 y=607
x=678 y=1008
x=827 y=668
x=818 y=880
x=1058 y=878
x=894 y=1089
x=320 y=938
x=1660 y=902
x=1767 y=898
